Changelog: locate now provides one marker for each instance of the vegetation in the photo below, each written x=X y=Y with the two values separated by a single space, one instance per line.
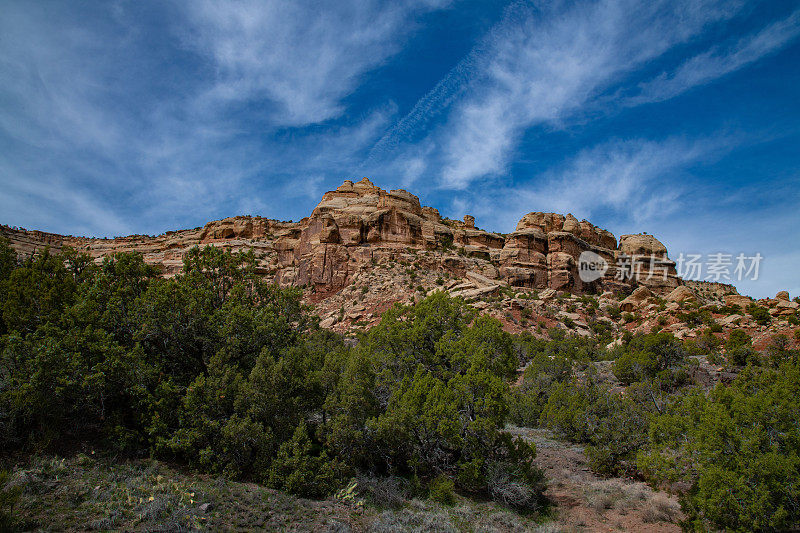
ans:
x=217 y=370
x=221 y=371
x=737 y=448
x=759 y=314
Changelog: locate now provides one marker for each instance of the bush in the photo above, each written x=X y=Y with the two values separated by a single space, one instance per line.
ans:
x=9 y=495
x=778 y=350
x=302 y=468
x=509 y=487
x=229 y=374
x=426 y=392
x=738 y=338
x=739 y=348
x=541 y=374
x=441 y=489
x=653 y=356
x=760 y=314
x=389 y=491
x=214 y=365
x=613 y=311
x=736 y=448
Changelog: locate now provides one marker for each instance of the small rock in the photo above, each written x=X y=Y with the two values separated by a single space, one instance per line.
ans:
x=328 y=322
x=547 y=294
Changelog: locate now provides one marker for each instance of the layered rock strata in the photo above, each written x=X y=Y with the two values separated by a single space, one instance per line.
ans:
x=359 y=225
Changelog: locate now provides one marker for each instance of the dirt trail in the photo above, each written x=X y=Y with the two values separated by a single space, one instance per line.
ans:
x=586 y=502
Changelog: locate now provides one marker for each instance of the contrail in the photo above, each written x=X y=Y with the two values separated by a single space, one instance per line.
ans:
x=442 y=95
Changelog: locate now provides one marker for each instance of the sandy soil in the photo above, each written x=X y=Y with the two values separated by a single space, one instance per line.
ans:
x=585 y=502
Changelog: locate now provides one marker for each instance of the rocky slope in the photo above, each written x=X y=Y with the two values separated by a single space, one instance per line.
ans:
x=364 y=248
x=359 y=224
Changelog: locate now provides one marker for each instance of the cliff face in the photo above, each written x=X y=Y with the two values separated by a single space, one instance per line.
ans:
x=359 y=226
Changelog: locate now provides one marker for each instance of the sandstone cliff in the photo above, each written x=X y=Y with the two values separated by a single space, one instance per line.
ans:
x=360 y=224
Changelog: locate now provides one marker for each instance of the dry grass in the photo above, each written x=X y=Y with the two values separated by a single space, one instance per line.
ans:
x=92 y=493
x=604 y=495
x=415 y=521
x=625 y=497
x=660 y=508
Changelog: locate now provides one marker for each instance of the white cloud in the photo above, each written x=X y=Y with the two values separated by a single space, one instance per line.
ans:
x=634 y=185
x=718 y=62
x=548 y=63
x=768 y=231
x=88 y=134
x=632 y=181
x=302 y=58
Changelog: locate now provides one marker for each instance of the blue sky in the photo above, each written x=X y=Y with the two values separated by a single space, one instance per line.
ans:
x=679 y=118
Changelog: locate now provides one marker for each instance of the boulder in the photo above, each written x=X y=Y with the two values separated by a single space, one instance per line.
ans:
x=547 y=294
x=783 y=295
x=737 y=299
x=730 y=320
x=481 y=291
x=641 y=244
x=636 y=299
x=680 y=294
x=480 y=280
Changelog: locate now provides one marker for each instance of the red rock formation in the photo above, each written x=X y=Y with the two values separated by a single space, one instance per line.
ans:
x=359 y=225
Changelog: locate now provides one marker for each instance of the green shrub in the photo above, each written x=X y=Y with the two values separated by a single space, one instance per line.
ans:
x=737 y=338
x=228 y=374
x=778 y=350
x=441 y=489
x=739 y=348
x=401 y=403
x=529 y=399
x=696 y=318
x=9 y=495
x=658 y=355
x=760 y=314
x=613 y=311
x=566 y=410
x=729 y=309
x=737 y=449
x=613 y=426
x=303 y=468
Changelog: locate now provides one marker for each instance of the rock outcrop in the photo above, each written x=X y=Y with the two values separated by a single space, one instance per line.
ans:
x=359 y=225
x=680 y=294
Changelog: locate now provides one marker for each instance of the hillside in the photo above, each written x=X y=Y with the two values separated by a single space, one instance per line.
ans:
x=375 y=367
x=362 y=249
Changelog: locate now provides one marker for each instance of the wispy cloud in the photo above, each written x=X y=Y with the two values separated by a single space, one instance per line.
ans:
x=634 y=180
x=89 y=115
x=548 y=65
x=718 y=62
x=295 y=55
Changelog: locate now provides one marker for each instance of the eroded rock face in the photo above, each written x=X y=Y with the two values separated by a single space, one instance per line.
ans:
x=358 y=226
x=544 y=252
x=647 y=260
